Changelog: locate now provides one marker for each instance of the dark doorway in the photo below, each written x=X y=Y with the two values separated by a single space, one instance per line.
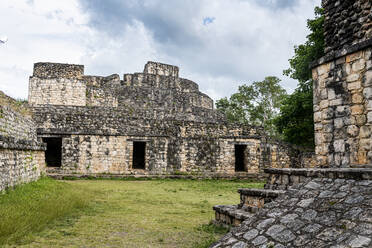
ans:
x=139 y=153
x=240 y=158
x=53 y=154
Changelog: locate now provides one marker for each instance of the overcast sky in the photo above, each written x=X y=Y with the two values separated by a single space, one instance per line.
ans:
x=219 y=44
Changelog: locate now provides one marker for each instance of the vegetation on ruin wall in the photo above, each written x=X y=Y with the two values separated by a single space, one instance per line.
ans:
x=295 y=121
x=19 y=105
x=120 y=213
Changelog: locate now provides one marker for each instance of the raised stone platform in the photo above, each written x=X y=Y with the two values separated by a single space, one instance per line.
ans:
x=283 y=178
x=230 y=215
x=251 y=200
x=322 y=212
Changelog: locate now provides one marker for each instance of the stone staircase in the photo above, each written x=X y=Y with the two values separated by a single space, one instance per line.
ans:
x=251 y=200
x=278 y=181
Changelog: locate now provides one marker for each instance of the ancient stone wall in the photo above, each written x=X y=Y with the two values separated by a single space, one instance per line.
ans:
x=343 y=110
x=100 y=118
x=347 y=22
x=99 y=140
x=55 y=70
x=21 y=155
x=343 y=86
x=159 y=87
x=15 y=119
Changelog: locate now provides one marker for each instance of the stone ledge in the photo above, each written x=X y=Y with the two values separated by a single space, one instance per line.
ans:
x=341 y=53
x=349 y=173
x=57 y=173
x=261 y=192
x=232 y=211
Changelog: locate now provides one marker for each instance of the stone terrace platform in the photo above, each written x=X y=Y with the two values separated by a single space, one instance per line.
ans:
x=302 y=208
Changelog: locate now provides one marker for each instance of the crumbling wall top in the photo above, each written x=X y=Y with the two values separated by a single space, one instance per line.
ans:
x=57 y=70
x=161 y=69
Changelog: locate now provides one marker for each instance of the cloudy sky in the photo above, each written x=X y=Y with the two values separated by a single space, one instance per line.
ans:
x=220 y=44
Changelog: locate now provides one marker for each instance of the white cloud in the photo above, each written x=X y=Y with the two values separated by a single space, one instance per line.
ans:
x=38 y=31
x=247 y=40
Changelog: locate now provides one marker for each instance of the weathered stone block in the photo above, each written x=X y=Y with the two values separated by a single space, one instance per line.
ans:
x=354 y=85
x=357 y=98
x=339 y=145
x=359 y=65
x=367 y=92
x=353 y=130
x=352 y=77
x=339 y=122
x=357 y=109
x=367 y=79
x=365 y=131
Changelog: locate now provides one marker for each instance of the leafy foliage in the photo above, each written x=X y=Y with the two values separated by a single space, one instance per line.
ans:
x=312 y=50
x=256 y=104
x=295 y=121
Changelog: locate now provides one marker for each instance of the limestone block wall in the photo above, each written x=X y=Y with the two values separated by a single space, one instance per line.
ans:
x=343 y=110
x=21 y=155
x=57 y=91
x=92 y=154
x=20 y=165
x=158 y=87
x=101 y=91
x=15 y=119
x=161 y=69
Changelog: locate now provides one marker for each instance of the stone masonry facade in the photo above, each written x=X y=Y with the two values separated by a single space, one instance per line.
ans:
x=100 y=121
x=21 y=155
x=343 y=86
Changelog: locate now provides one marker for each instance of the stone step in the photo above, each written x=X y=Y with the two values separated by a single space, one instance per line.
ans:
x=282 y=178
x=253 y=199
x=230 y=215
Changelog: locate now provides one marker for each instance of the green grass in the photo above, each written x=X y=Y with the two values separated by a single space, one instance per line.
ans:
x=30 y=208
x=156 y=213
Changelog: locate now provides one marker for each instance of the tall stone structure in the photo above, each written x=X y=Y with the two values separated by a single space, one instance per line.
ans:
x=148 y=123
x=343 y=86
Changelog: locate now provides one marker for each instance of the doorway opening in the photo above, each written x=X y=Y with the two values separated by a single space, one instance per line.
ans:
x=240 y=158
x=53 y=154
x=139 y=154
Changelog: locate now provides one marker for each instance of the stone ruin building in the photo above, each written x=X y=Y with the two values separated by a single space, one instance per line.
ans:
x=150 y=123
x=329 y=205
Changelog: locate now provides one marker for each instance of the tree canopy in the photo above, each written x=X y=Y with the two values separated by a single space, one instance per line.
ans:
x=295 y=121
x=255 y=104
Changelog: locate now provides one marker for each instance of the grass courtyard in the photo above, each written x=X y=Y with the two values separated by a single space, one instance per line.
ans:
x=114 y=213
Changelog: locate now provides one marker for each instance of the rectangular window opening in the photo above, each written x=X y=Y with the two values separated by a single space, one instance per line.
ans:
x=139 y=154
x=53 y=154
x=240 y=163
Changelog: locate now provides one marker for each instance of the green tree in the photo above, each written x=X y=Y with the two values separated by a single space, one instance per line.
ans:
x=295 y=121
x=255 y=104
